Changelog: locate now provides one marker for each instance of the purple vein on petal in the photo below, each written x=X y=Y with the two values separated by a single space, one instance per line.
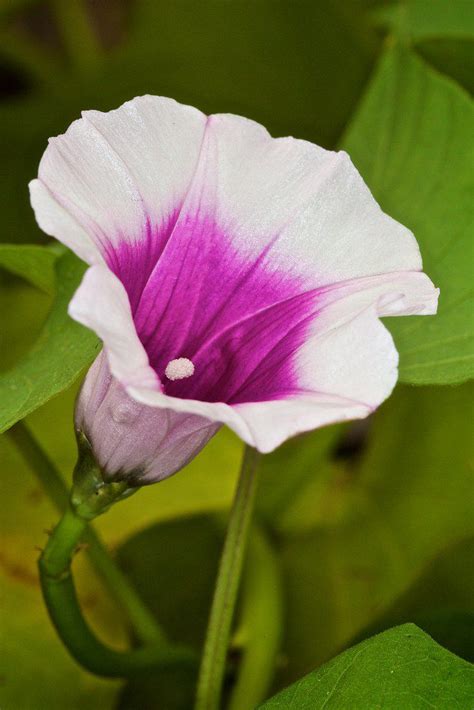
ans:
x=239 y=321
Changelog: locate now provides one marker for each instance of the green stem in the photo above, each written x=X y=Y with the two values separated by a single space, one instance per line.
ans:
x=144 y=624
x=60 y=597
x=218 y=631
x=261 y=623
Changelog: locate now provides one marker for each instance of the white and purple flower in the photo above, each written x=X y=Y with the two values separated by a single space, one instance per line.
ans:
x=234 y=279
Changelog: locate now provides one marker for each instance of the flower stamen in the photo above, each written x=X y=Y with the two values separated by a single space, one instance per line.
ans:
x=179 y=369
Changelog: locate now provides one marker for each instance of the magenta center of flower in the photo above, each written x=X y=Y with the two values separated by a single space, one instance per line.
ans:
x=226 y=327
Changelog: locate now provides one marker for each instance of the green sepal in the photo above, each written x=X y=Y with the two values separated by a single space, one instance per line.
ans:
x=91 y=494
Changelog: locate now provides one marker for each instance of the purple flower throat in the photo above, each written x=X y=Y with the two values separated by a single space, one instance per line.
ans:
x=238 y=321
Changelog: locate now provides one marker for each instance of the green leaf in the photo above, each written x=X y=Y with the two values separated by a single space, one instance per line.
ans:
x=442 y=31
x=31 y=262
x=401 y=668
x=451 y=56
x=62 y=350
x=24 y=309
x=412 y=141
x=408 y=499
x=422 y=19
x=440 y=602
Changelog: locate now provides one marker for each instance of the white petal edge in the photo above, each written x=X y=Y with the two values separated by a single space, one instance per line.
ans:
x=101 y=303
x=114 y=172
x=329 y=228
x=56 y=221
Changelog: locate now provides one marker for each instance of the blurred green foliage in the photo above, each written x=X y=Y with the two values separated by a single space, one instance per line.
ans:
x=373 y=523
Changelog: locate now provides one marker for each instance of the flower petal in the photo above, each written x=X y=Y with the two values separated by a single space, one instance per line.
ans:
x=313 y=204
x=58 y=222
x=348 y=364
x=101 y=303
x=116 y=173
x=345 y=369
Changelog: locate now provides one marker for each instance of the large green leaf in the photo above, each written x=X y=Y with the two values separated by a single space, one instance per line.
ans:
x=412 y=141
x=452 y=56
x=401 y=668
x=352 y=550
x=440 y=602
x=422 y=19
x=24 y=309
x=31 y=262
x=442 y=31
x=62 y=350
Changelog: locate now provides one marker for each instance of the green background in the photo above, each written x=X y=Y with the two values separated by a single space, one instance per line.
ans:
x=371 y=523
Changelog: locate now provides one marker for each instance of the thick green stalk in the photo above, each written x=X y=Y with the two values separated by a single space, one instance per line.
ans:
x=60 y=597
x=225 y=594
x=260 y=625
x=143 y=622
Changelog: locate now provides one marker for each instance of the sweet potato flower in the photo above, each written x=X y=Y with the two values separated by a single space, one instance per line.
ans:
x=234 y=279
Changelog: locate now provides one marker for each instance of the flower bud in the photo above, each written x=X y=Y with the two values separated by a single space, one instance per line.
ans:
x=133 y=442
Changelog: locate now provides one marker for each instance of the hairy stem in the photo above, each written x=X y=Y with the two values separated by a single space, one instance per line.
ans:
x=143 y=622
x=63 y=606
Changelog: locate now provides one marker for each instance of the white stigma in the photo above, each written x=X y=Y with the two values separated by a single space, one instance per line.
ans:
x=179 y=369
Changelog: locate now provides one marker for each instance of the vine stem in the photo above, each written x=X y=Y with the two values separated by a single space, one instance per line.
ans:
x=260 y=628
x=213 y=661
x=144 y=624
x=64 y=610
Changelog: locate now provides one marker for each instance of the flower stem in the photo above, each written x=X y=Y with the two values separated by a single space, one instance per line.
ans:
x=260 y=627
x=225 y=594
x=63 y=606
x=144 y=624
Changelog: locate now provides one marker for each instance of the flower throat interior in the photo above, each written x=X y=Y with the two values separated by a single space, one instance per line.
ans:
x=193 y=297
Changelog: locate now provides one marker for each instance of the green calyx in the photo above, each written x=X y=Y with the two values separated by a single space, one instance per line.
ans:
x=91 y=495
